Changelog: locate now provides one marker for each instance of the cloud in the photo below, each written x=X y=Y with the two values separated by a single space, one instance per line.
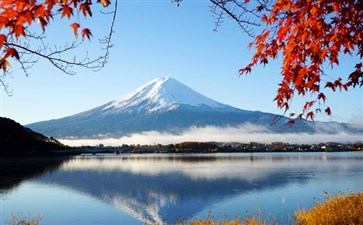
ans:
x=245 y=133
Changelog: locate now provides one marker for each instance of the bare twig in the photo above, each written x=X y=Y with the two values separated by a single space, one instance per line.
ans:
x=239 y=11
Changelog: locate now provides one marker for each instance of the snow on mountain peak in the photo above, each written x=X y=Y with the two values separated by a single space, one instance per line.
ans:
x=162 y=94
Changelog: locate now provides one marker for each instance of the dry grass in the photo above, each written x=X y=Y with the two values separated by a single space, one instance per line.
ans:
x=337 y=210
x=210 y=221
x=20 y=219
x=340 y=209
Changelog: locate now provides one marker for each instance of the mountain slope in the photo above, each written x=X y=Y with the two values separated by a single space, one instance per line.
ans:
x=161 y=95
x=164 y=105
x=16 y=139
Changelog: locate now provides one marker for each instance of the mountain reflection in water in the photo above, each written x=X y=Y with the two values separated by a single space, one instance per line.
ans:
x=167 y=188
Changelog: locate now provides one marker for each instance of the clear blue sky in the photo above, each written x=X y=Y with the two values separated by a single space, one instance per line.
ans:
x=157 y=39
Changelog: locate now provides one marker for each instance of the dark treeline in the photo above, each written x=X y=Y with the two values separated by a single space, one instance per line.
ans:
x=214 y=147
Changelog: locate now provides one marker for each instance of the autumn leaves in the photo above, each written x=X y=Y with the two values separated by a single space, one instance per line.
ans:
x=84 y=8
x=17 y=15
x=307 y=35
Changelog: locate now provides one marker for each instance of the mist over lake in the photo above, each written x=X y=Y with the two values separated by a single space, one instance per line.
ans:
x=166 y=188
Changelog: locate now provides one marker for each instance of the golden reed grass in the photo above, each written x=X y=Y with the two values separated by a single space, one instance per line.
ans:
x=336 y=210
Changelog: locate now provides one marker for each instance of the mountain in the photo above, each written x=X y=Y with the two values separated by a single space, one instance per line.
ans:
x=18 y=140
x=164 y=105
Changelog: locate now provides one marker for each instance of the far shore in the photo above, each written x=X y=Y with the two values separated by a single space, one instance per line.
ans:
x=206 y=147
x=196 y=147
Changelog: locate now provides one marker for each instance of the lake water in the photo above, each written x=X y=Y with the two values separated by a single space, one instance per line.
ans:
x=166 y=188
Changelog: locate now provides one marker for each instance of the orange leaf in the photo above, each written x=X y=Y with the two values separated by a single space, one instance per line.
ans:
x=245 y=70
x=259 y=8
x=75 y=27
x=42 y=23
x=308 y=105
x=84 y=8
x=3 y=22
x=4 y=64
x=66 y=11
x=105 y=3
x=359 y=66
x=285 y=105
x=19 y=30
x=86 y=33
x=4 y=19
x=2 y=40
x=11 y=52
x=310 y=115
x=322 y=96
x=26 y=16
x=330 y=85
x=50 y=4
x=328 y=111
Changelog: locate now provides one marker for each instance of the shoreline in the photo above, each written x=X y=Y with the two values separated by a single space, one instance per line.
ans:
x=108 y=151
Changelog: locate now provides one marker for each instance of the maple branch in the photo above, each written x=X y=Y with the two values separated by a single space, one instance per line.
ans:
x=218 y=17
x=265 y=4
x=107 y=39
x=27 y=53
x=236 y=11
x=58 y=62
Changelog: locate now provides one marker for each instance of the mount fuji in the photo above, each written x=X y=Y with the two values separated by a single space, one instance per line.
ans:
x=165 y=105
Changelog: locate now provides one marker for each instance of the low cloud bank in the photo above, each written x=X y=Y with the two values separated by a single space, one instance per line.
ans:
x=244 y=133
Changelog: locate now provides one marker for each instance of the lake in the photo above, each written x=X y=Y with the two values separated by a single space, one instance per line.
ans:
x=166 y=188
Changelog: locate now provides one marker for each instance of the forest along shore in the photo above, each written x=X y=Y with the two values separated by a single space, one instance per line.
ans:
x=216 y=147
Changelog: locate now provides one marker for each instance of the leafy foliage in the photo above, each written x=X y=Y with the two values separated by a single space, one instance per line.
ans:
x=307 y=34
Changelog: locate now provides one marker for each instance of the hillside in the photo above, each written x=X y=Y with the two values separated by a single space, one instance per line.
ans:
x=18 y=140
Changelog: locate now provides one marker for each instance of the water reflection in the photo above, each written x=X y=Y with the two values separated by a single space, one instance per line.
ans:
x=15 y=170
x=165 y=188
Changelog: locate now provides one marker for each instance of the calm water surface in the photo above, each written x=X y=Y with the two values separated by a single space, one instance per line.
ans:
x=139 y=189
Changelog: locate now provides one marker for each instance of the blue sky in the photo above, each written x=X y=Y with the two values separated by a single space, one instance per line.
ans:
x=157 y=39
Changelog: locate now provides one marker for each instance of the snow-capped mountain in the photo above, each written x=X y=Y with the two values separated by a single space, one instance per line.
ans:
x=160 y=95
x=164 y=105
